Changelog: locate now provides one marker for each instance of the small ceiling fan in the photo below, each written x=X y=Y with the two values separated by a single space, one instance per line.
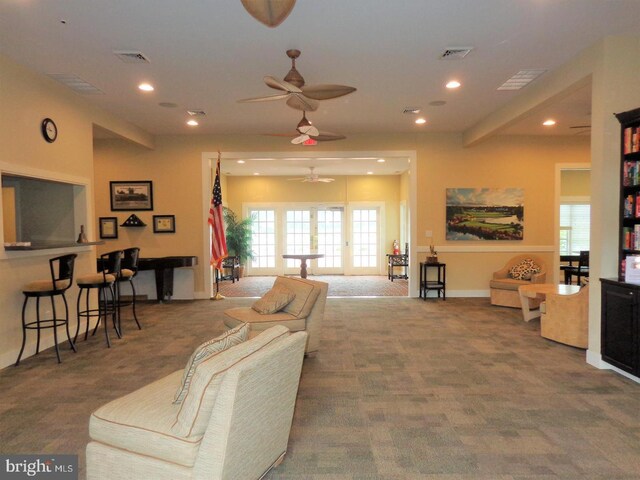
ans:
x=309 y=132
x=299 y=95
x=312 y=178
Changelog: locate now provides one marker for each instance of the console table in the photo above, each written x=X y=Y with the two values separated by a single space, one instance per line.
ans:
x=438 y=283
x=303 y=260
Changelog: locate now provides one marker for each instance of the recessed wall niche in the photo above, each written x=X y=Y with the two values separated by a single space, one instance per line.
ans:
x=41 y=211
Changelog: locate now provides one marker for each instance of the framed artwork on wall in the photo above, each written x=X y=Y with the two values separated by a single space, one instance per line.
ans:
x=485 y=213
x=164 y=224
x=108 y=227
x=133 y=195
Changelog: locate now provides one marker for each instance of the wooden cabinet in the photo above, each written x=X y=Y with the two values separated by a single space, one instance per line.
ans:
x=620 y=325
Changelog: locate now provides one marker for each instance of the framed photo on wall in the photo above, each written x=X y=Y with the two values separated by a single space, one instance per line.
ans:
x=108 y=227
x=164 y=224
x=133 y=195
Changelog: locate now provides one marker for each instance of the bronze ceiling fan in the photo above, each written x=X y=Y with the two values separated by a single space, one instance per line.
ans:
x=306 y=131
x=299 y=95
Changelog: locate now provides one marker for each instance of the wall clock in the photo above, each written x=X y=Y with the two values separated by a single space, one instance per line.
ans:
x=49 y=130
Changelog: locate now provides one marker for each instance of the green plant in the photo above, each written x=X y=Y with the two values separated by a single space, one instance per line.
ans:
x=238 y=235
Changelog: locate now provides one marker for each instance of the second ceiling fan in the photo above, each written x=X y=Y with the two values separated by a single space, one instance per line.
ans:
x=299 y=95
x=308 y=132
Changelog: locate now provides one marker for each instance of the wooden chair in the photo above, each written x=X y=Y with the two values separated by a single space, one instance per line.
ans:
x=565 y=318
x=580 y=271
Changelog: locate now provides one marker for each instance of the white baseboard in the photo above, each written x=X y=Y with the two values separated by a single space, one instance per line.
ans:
x=595 y=359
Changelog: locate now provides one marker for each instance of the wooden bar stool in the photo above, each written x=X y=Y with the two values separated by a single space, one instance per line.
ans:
x=61 y=280
x=104 y=283
x=127 y=273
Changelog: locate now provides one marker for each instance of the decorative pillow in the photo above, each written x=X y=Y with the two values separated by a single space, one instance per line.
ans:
x=274 y=300
x=207 y=350
x=524 y=270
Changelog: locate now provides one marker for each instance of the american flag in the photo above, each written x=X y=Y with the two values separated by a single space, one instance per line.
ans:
x=216 y=220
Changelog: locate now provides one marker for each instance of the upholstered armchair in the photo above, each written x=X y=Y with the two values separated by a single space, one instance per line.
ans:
x=504 y=287
x=565 y=318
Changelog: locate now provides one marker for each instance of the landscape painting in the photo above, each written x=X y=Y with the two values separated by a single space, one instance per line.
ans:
x=485 y=213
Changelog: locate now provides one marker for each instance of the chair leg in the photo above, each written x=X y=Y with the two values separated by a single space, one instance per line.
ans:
x=38 y=324
x=102 y=309
x=66 y=323
x=115 y=309
x=24 y=331
x=133 y=304
x=55 y=328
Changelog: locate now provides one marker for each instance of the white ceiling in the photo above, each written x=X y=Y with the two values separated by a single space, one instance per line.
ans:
x=206 y=54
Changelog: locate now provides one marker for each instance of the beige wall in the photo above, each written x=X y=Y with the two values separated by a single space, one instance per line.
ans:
x=575 y=183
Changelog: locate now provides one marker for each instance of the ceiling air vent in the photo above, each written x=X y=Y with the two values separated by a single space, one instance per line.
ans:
x=76 y=83
x=196 y=113
x=411 y=110
x=455 y=53
x=521 y=79
x=131 y=56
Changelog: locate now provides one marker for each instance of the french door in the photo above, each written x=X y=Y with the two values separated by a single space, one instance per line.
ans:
x=365 y=240
x=315 y=230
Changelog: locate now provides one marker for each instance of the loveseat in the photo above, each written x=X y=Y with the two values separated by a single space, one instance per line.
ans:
x=233 y=423
x=304 y=313
x=504 y=287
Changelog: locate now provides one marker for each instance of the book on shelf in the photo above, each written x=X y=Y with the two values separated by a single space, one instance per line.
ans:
x=627 y=238
x=627 y=140
x=635 y=139
x=637 y=204
x=636 y=237
x=630 y=173
x=629 y=209
x=632 y=269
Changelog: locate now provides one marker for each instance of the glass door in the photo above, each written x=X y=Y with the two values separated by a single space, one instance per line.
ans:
x=365 y=240
x=297 y=234
x=330 y=240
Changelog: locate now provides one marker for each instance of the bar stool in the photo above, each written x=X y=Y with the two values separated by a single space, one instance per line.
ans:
x=104 y=283
x=61 y=280
x=127 y=273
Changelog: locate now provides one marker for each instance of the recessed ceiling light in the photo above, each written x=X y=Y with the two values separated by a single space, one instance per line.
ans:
x=421 y=121
x=192 y=123
x=549 y=123
x=240 y=161
x=380 y=160
x=256 y=173
x=146 y=87
x=453 y=84
x=369 y=173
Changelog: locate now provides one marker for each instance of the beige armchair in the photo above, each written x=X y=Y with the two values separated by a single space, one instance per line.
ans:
x=304 y=313
x=565 y=318
x=504 y=288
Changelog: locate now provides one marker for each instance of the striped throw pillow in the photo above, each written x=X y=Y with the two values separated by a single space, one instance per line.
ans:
x=207 y=350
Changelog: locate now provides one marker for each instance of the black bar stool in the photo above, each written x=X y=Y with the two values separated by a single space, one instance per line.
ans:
x=61 y=280
x=104 y=283
x=127 y=273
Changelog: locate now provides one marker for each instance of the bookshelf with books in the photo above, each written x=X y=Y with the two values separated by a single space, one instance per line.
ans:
x=620 y=306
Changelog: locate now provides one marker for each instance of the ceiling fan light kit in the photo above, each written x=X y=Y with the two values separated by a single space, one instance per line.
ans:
x=269 y=12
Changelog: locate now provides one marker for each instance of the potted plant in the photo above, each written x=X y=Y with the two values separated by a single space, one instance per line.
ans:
x=238 y=236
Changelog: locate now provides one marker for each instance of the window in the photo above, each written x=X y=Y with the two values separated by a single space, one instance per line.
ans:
x=575 y=220
x=263 y=238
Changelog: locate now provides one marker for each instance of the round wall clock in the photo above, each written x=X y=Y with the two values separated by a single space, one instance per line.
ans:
x=49 y=130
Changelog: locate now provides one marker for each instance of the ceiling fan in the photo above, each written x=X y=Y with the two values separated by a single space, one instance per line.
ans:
x=312 y=178
x=299 y=95
x=309 y=132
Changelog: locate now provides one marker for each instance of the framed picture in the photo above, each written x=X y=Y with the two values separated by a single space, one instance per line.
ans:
x=108 y=227
x=136 y=195
x=164 y=224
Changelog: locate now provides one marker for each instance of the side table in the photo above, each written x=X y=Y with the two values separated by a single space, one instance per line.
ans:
x=399 y=260
x=439 y=281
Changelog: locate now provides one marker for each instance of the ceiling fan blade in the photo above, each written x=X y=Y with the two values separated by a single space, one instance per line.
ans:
x=309 y=130
x=328 y=136
x=326 y=180
x=276 y=84
x=269 y=12
x=298 y=179
x=300 y=139
x=300 y=102
x=267 y=98
x=325 y=92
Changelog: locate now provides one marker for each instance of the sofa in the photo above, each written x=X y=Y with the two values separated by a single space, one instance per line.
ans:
x=233 y=423
x=304 y=313
x=504 y=288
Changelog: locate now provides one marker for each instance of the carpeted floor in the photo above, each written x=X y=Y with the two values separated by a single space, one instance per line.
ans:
x=400 y=389
x=339 y=286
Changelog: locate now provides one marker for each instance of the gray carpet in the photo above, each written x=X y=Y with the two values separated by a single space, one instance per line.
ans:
x=401 y=389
